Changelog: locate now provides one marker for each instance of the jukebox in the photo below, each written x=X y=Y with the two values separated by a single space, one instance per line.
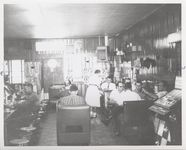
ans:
x=167 y=116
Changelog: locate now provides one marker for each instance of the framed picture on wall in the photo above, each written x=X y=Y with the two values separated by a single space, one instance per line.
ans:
x=102 y=53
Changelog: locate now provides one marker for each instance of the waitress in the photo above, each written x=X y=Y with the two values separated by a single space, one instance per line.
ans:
x=93 y=92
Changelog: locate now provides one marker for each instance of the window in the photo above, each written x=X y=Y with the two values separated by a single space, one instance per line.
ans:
x=15 y=70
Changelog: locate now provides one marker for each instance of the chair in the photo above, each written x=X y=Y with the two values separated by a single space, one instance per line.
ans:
x=81 y=88
x=73 y=125
x=136 y=120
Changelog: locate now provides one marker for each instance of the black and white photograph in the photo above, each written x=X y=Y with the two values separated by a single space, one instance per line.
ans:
x=92 y=75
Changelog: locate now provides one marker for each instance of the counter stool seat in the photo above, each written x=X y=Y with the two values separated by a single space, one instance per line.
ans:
x=28 y=129
x=19 y=142
x=41 y=112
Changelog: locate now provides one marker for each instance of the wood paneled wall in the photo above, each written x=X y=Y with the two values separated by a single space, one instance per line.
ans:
x=151 y=34
x=25 y=48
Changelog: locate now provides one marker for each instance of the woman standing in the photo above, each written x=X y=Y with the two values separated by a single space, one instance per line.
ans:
x=93 y=92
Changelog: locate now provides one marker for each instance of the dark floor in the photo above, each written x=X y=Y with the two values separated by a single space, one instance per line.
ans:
x=101 y=135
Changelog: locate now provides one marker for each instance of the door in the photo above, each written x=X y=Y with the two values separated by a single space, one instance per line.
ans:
x=52 y=72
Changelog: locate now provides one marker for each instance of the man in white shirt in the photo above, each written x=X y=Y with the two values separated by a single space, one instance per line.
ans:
x=129 y=95
x=116 y=100
x=108 y=85
x=117 y=97
x=107 y=88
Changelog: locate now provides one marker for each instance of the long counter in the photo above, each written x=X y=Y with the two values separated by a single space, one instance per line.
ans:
x=15 y=119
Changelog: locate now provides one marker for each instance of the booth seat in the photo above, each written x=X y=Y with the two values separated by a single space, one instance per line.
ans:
x=136 y=112
x=73 y=125
x=136 y=118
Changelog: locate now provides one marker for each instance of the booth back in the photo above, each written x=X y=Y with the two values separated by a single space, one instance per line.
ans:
x=82 y=87
x=73 y=125
x=136 y=112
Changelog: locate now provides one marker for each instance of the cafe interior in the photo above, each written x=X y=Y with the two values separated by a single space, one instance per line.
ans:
x=53 y=48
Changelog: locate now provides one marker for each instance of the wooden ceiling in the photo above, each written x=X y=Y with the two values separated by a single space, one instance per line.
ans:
x=51 y=20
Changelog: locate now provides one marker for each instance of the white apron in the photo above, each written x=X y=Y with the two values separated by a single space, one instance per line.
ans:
x=93 y=96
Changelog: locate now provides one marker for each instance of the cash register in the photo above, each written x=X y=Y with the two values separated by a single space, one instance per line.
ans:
x=167 y=103
x=167 y=116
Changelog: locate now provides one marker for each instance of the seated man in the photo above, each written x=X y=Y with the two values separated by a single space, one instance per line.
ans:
x=25 y=108
x=73 y=98
x=116 y=100
x=31 y=102
x=162 y=89
x=130 y=95
x=108 y=85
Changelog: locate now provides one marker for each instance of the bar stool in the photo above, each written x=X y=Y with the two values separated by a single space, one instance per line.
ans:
x=28 y=129
x=19 y=142
x=31 y=131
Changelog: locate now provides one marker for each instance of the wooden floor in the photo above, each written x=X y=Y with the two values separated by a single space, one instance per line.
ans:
x=101 y=135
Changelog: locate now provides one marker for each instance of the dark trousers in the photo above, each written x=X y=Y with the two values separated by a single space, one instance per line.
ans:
x=116 y=111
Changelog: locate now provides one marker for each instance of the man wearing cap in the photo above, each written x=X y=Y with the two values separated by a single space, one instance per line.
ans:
x=73 y=98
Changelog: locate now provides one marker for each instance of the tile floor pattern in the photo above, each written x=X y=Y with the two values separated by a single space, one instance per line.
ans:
x=100 y=134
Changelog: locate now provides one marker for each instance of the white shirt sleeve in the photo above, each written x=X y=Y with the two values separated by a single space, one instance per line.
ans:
x=130 y=96
x=138 y=97
x=112 y=86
